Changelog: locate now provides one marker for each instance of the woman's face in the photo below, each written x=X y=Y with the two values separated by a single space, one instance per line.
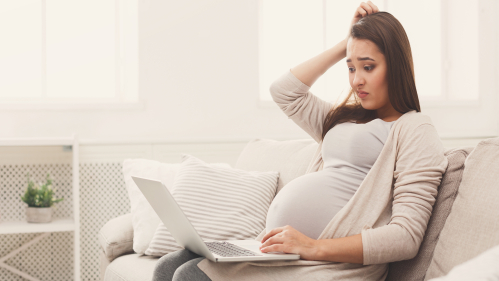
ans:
x=367 y=73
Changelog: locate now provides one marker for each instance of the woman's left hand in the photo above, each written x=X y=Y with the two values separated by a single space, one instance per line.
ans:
x=289 y=240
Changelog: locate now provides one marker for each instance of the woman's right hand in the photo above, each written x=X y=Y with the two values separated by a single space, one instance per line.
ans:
x=363 y=10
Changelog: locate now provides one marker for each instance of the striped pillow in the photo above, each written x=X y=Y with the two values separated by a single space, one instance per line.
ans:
x=221 y=203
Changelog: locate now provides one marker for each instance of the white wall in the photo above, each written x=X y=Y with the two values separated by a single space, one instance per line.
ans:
x=198 y=76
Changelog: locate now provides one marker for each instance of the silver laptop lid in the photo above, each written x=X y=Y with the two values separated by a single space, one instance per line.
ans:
x=172 y=216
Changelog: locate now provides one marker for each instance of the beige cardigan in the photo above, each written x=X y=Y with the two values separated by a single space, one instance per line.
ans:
x=391 y=207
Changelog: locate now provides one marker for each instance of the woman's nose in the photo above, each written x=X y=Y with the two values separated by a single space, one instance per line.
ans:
x=358 y=80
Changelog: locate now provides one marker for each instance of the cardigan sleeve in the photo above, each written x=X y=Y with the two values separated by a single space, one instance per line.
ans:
x=419 y=167
x=299 y=104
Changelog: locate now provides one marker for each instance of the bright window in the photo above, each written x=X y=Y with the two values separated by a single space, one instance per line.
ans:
x=61 y=51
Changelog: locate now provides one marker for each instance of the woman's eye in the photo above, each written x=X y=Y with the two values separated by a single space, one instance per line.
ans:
x=350 y=69
x=368 y=68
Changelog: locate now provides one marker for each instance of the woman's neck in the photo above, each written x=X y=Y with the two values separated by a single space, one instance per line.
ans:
x=388 y=115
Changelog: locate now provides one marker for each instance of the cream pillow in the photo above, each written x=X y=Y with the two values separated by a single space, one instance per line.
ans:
x=484 y=267
x=221 y=203
x=144 y=219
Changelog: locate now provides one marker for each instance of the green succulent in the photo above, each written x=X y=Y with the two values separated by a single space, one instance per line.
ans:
x=39 y=196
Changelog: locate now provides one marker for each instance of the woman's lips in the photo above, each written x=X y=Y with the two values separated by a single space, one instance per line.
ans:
x=362 y=94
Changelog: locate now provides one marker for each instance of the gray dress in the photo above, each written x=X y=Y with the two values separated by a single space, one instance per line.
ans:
x=309 y=202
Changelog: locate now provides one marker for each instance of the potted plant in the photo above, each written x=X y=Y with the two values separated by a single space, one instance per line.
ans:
x=40 y=201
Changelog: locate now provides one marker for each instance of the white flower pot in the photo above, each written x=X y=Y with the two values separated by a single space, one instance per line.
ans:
x=39 y=215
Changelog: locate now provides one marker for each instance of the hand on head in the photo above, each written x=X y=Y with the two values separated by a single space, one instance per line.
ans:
x=363 y=10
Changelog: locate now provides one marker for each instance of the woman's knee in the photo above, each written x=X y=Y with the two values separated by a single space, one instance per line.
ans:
x=190 y=271
x=168 y=264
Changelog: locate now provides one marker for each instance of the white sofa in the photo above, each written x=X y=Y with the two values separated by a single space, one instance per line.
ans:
x=291 y=158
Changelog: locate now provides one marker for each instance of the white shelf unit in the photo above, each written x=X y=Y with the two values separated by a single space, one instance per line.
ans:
x=58 y=225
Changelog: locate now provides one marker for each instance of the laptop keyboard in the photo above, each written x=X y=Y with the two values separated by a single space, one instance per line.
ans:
x=226 y=249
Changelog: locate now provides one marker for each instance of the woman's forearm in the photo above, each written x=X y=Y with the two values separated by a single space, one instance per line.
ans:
x=347 y=249
x=309 y=71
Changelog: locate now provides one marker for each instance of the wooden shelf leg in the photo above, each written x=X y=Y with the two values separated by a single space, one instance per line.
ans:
x=18 y=250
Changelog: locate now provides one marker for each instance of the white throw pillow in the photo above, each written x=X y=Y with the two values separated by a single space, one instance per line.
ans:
x=221 y=203
x=484 y=267
x=144 y=219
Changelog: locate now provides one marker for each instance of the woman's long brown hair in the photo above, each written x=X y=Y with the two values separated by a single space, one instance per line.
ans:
x=386 y=32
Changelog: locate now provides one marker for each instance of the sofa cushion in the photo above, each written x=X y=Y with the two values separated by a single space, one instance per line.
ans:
x=133 y=267
x=473 y=225
x=116 y=237
x=415 y=268
x=221 y=203
x=290 y=158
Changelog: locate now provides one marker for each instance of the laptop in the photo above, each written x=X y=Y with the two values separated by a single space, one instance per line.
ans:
x=186 y=236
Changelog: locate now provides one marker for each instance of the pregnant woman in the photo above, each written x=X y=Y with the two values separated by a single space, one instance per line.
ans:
x=369 y=191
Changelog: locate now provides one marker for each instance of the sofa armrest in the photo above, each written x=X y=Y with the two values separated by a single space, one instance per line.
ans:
x=116 y=237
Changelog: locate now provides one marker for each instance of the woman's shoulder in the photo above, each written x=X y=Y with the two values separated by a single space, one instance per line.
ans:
x=415 y=129
x=413 y=119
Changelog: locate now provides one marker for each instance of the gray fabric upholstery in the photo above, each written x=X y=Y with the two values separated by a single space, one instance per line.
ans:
x=415 y=268
x=116 y=237
x=133 y=267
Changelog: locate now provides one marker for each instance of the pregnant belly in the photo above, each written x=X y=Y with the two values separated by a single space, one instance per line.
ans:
x=309 y=202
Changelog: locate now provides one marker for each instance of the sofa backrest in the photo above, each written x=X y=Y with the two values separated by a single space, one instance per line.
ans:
x=289 y=158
